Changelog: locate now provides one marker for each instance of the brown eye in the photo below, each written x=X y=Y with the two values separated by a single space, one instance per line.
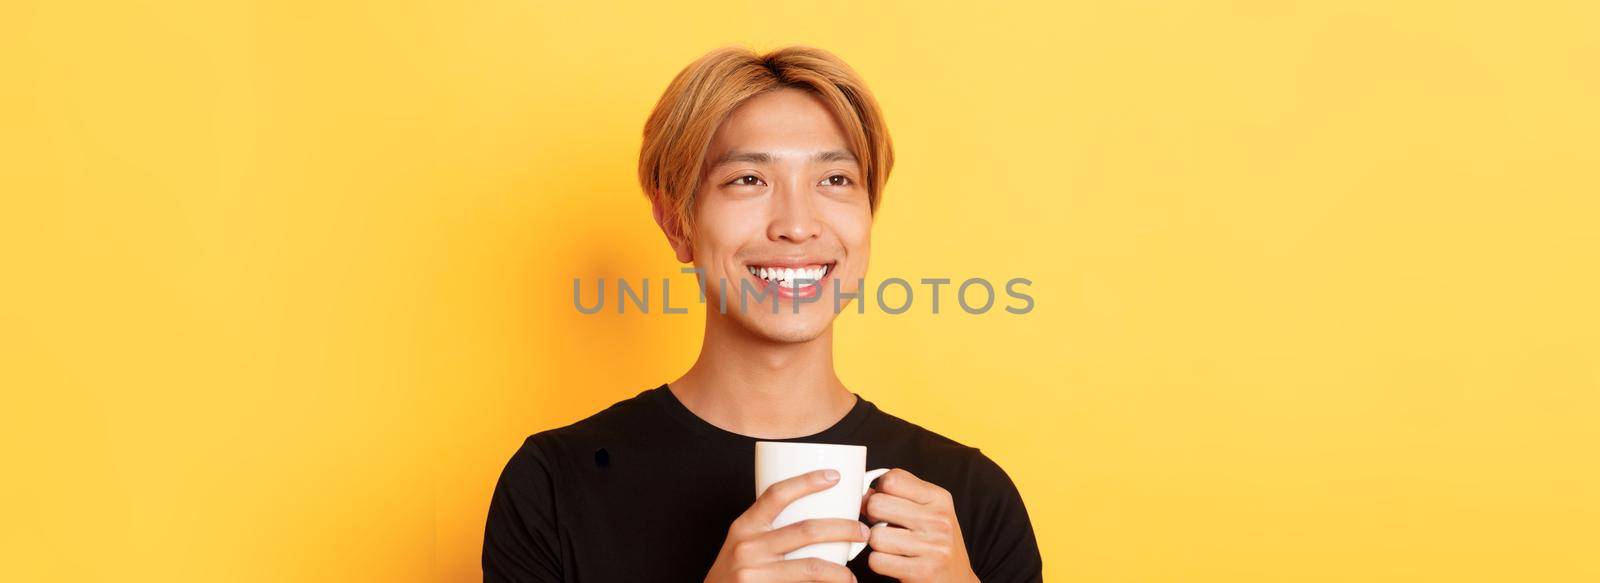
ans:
x=842 y=180
x=740 y=181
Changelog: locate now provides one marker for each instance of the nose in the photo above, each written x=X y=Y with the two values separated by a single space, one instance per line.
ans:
x=793 y=216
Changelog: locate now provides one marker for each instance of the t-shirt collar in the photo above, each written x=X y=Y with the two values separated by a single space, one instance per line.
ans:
x=837 y=433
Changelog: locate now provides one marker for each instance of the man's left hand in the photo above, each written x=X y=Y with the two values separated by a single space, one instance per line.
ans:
x=922 y=542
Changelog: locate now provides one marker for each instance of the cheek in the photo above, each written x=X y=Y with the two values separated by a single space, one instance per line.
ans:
x=854 y=228
x=720 y=230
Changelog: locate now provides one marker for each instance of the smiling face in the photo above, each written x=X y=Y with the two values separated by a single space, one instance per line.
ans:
x=782 y=209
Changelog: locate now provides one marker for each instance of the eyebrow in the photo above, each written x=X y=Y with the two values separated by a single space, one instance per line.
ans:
x=765 y=158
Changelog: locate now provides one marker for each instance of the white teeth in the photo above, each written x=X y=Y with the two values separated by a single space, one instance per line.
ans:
x=790 y=276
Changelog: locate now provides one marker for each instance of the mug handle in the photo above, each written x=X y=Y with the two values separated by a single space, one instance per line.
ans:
x=866 y=484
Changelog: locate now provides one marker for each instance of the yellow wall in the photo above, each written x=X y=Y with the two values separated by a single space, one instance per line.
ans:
x=286 y=282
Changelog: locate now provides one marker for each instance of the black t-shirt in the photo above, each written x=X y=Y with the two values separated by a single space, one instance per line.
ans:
x=645 y=491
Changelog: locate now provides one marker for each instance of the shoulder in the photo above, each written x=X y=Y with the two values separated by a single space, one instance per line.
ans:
x=901 y=433
x=549 y=448
x=959 y=467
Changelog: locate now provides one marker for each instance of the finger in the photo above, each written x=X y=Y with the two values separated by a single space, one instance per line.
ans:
x=905 y=485
x=864 y=497
x=882 y=507
x=892 y=565
x=780 y=494
x=815 y=530
x=806 y=570
x=898 y=541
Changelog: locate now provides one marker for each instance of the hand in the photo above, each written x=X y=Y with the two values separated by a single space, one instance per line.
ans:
x=922 y=542
x=753 y=551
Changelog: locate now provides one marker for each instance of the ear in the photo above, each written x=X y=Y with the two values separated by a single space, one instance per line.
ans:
x=674 y=231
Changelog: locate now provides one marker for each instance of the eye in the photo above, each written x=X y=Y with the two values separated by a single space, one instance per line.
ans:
x=842 y=180
x=740 y=181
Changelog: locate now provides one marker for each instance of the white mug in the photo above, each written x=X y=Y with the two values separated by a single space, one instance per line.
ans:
x=780 y=460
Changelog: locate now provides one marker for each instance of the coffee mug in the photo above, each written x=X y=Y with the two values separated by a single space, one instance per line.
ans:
x=780 y=460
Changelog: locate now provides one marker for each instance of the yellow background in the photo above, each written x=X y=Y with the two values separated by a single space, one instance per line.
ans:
x=285 y=283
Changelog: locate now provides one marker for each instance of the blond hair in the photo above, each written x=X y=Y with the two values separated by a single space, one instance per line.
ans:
x=694 y=105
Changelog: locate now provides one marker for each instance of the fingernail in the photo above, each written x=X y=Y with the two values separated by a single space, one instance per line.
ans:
x=866 y=531
x=830 y=475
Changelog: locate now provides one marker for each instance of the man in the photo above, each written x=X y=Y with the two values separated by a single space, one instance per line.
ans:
x=764 y=172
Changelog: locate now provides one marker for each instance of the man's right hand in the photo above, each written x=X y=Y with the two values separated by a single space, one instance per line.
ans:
x=753 y=551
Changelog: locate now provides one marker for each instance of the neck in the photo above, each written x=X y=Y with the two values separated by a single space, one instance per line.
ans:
x=762 y=388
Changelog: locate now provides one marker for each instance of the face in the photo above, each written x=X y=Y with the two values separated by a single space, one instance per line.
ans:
x=782 y=210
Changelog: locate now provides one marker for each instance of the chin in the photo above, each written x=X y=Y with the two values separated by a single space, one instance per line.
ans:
x=786 y=328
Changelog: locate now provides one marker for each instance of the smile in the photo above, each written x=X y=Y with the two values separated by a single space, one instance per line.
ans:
x=792 y=281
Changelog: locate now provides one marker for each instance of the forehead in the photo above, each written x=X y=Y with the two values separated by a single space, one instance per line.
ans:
x=784 y=119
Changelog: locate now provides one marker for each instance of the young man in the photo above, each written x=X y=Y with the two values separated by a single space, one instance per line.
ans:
x=764 y=172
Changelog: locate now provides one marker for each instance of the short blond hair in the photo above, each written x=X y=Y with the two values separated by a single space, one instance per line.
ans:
x=697 y=101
